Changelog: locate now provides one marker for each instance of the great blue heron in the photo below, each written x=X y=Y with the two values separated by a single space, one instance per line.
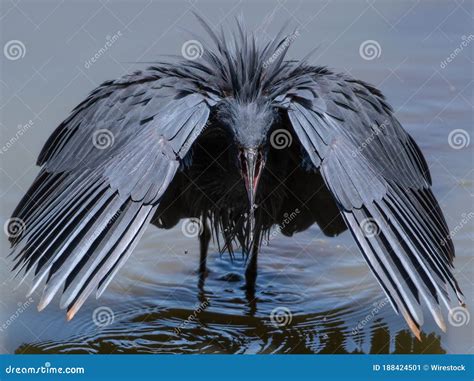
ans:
x=199 y=139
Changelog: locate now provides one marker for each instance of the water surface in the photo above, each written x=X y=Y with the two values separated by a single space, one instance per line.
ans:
x=320 y=288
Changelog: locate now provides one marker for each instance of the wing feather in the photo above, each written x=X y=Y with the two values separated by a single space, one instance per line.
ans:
x=377 y=174
x=89 y=206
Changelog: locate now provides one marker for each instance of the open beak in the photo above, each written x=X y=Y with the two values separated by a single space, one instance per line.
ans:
x=252 y=164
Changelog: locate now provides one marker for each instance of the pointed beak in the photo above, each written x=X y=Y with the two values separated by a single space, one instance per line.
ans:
x=252 y=164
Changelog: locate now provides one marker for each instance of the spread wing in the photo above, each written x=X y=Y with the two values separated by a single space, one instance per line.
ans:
x=103 y=172
x=381 y=184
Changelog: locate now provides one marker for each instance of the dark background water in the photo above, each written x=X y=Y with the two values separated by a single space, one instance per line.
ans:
x=321 y=286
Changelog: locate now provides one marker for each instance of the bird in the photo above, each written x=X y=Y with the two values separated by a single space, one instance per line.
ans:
x=239 y=140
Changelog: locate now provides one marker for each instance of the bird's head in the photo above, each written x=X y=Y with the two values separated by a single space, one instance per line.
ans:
x=249 y=123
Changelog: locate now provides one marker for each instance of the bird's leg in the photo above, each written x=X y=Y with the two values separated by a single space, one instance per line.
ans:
x=251 y=271
x=204 y=239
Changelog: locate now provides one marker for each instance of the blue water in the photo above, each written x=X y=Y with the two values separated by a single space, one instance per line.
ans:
x=319 y=287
